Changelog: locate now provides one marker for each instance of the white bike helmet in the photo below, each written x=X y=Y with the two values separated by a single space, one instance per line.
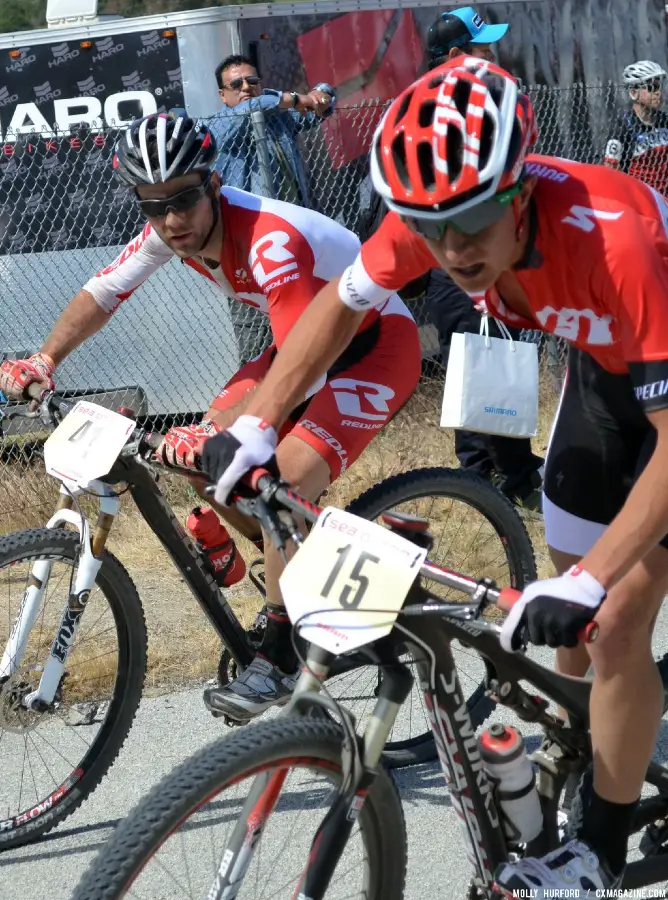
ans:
x=639 y=73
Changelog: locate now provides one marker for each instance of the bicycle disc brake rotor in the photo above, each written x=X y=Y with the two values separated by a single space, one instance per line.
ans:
x=14 y=716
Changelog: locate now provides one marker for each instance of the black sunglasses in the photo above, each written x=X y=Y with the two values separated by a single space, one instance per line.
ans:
x=184 y=200
x=470 y=221
x=237 y=83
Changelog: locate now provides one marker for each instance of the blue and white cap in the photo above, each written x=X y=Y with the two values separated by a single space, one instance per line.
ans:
x=459 y=27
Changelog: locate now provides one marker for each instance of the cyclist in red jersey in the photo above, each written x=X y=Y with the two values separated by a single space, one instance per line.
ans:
x=275 y=257
x=581 y=252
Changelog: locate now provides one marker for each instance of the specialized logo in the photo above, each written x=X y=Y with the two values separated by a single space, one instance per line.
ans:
x=571 y=323
x=584 y=218
x=362 y=399
x=270 y=257
x=653 y=390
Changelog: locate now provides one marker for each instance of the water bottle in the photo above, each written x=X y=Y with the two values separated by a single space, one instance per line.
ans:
x=214 y=539
x=508 y=767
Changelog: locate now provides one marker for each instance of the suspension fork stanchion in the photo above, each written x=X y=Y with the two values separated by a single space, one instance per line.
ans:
x=333 y=834
x=31 y=603
x=263 y=796
x=90 y=562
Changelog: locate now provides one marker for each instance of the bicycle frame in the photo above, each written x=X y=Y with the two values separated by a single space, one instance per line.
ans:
x=471 y=791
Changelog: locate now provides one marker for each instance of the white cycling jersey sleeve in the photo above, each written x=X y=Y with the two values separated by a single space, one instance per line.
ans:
x=358 y=290
x=141 y=257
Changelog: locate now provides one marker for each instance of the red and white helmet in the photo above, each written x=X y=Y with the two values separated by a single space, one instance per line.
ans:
x=455 y=137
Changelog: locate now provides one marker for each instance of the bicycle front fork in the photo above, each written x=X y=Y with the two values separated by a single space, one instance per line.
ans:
x=334 y=831
x=90 y=561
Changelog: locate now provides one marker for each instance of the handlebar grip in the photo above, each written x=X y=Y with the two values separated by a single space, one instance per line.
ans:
x=252 y=479
x=508 y=597
x=35 y=390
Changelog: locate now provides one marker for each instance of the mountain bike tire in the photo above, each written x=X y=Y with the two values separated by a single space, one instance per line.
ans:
x=315 y=743
x=121 y=595
x=508 y=524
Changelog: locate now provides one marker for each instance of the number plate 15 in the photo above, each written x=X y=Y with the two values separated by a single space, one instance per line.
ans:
x=350 y=578
x=86 y=443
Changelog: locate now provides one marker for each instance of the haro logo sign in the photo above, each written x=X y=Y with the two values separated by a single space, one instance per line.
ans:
x=151 y=42
x=106 y=49
x=25 y=58
x=88 y=87
x=45 y=93
x=6 y=98
x=62 y=54
x=134 y=82
x=119 y=110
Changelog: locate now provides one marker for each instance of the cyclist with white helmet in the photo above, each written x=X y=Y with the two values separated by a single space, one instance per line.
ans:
x=575 y=250
x=275 y=257
x=638 y=142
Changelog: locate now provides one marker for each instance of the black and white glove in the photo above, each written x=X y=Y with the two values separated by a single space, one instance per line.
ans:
x=228 y=456
x=553 y=611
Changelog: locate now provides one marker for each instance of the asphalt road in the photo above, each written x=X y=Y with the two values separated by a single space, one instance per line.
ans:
x=166 y=731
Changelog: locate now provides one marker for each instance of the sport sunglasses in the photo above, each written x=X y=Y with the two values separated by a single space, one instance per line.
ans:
x=237 y=83
x=181 y=202
x=470 y=221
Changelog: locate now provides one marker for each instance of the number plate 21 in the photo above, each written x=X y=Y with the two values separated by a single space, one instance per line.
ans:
x=349 y=578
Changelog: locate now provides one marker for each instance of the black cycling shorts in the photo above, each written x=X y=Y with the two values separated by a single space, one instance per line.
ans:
x=601 y=440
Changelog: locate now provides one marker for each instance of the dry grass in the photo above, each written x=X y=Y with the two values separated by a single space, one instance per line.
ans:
x=182 y=645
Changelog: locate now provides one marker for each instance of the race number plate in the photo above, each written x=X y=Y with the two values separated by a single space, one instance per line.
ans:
x=349 y=578
x=86 y=443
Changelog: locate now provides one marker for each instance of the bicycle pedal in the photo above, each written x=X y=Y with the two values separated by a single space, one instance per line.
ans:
x=654 y=840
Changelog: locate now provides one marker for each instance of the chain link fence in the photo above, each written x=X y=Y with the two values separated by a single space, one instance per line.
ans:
x=171 y=347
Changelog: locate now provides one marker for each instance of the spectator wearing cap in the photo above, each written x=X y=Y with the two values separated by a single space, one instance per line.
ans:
x=509 y=462
x=462 y=32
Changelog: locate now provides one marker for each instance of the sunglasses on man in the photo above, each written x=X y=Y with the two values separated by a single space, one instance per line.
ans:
x=181 y=202
x=237 y=83
x=470 y=221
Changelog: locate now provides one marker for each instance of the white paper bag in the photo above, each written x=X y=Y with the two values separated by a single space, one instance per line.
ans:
x=491 y=384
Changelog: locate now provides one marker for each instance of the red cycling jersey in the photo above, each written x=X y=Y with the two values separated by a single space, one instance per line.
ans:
x=596 y=273
x=275 y=257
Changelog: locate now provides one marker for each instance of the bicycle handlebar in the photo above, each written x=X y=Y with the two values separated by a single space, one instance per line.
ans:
x=261 y=482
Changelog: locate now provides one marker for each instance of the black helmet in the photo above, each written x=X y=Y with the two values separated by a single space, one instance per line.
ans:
x=163 y=146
